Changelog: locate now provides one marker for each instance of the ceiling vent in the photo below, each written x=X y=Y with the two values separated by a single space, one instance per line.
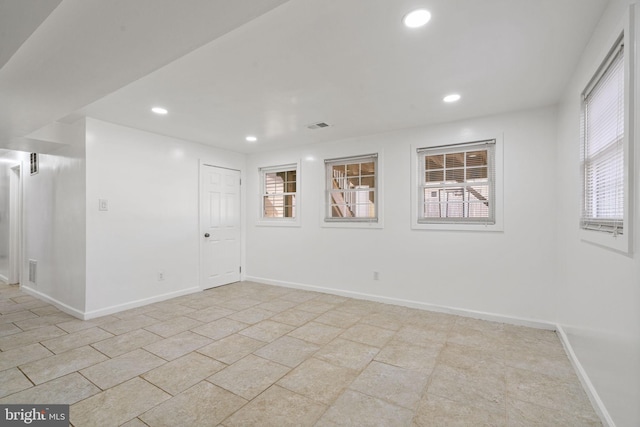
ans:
x=318 y=125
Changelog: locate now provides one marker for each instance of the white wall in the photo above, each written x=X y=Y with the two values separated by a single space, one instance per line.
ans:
x=509 y=273
x=54 y=224
x=598 y=290
x=151 y=184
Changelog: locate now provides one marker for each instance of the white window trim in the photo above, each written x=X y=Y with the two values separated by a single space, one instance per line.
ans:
x=279 y=222
x=622 y=242
x=499 y=193
x=372 y=224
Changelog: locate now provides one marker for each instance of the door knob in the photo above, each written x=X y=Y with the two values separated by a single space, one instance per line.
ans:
x=206 y=234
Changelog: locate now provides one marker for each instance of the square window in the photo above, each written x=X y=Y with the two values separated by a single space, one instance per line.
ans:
x=351 y=186
x=458 y=184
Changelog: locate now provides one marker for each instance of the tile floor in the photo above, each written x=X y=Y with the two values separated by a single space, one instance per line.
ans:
x=249 y=354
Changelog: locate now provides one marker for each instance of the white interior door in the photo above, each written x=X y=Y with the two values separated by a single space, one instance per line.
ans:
x=219 y=226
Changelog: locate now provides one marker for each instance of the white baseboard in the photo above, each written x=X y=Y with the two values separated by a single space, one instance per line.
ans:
x=62 y=306
x=587 y=385
x=531 y=323
x=137 y=303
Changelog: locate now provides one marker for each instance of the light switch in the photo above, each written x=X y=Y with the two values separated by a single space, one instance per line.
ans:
x=103 y=205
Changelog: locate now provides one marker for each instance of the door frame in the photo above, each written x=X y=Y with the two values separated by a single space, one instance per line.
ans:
x=202 y=165
x=15 y=224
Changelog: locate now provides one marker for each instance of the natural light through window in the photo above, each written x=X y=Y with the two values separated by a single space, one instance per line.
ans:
x=457 y=183
x=351 y=187
x=279 y=192
x=603 y=147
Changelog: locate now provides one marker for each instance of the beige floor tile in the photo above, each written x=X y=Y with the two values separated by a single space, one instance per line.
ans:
x=178 y=375
x=76 y=339
x=340 y=319
x=220 y=328
x=315 y=306
x=16 y=317
x=30 y=337
x=177 y=345
x=174 y=326
x=134 y=423
x=169 y=311
x=119 y=327
x=38 y=322
x=117 y=405
x=277 y=306
x=294 y=317
x=232 y=348
x=367 y=334
x=299 y=296
x=202 y=405
x=385 y=320
x=13 y=381
x=438 y=411
x=331 y=299
x=287 y=351
x=360 y=307
x=424 y=336
x=126 y=342
x=65 y=390
x=210 y=314
x=409 y=356
x=473 y=337
x=251 y=315
x=267 y=330
x=317 y=333
x=524 y=414
x=62 y=364
x=473 y=360
x=349 y=354
x=318 y=380
x=250 y=376
x=76 y=325
x=397 y=385
x=122 y=368
x=241 y=303
x=479 y=388
x=557 y=366
x=356 y=409
x=544 y=390
x=277 y=407
x=9 y=329
x=23 y=355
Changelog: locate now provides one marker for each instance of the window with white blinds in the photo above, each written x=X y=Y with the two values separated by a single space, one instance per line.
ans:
x=457 y=184
x=603 y=163
x=352 y=189
x=279 y=192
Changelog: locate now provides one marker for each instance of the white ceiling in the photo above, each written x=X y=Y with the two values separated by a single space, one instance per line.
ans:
x=225 y=69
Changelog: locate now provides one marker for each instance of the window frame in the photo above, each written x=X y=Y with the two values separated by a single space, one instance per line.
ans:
x=617 y=242
x=279 y=221
x=355 y=222
x=457 y=224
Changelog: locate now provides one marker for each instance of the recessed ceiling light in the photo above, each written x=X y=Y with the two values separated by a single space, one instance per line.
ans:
x=160 y=110
x=416 y=18
x=451 y=98
x=251 y=138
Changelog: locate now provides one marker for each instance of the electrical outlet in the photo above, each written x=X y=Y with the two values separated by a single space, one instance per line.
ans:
x=376 y=275
x=160 y=275
x=103 y=205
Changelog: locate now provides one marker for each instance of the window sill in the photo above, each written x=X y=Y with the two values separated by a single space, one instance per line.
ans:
x=345 y=224
x=278 y=223
x=619 y=243
x=457 y=227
